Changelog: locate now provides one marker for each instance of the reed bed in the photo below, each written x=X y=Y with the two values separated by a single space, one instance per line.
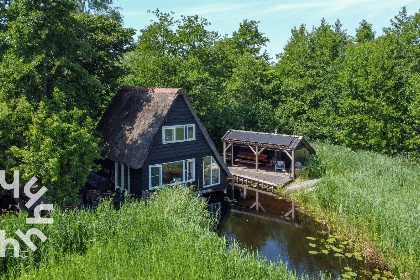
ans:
x=169 y=238
x=372 y=198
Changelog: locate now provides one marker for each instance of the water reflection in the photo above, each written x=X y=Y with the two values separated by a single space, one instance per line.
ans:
x=278 y=241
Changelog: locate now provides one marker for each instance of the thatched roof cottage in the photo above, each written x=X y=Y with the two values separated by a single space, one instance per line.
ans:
x=152 y=137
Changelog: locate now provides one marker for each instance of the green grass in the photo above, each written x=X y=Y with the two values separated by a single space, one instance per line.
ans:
x=170 y=238
x=372 y=198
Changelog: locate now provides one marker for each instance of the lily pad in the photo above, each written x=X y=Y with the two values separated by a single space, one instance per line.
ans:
x=325 y=251
x=313 y=252
x=336 y=249
x=348 y=255
x=331 y=240
x=310 y=238
x=338 y=255
x=312 y=244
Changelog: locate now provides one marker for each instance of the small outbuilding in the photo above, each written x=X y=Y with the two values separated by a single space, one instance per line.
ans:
x=152 y=137
x=260 y=148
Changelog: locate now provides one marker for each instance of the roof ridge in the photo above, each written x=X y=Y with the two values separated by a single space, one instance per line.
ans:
x=261 y=132
x=153 y=89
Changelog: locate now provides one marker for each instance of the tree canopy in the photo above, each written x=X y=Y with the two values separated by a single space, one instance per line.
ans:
x=58 y=68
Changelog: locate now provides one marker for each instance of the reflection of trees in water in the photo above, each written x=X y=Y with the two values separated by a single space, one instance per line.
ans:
x=251 y=232
x=272 y=238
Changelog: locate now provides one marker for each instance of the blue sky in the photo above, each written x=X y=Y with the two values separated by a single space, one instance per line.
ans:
x=277 y=18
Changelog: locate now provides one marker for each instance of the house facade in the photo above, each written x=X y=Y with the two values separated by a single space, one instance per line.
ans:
x=152 y=137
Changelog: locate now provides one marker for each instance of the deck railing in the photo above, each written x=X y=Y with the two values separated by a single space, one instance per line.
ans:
x=253 y=183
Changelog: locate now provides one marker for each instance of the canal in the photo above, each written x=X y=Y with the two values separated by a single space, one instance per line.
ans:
x=281 y=239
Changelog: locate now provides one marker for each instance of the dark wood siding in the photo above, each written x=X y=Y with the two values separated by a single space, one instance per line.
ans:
x=136 y=184
x=180 y=114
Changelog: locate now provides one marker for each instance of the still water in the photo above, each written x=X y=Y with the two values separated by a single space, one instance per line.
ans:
x=280 y=240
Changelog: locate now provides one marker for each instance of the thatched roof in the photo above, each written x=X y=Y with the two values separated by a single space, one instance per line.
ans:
x=132 y=120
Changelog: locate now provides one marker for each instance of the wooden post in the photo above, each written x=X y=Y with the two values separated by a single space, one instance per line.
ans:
x=224 y=152
x=144 y=195
x=291 y=211
x=231 y=155
x=256 y=161
x=258 y=203
x=293 y=164
x=233 y=189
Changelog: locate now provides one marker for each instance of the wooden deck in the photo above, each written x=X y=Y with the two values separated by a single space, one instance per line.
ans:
x=266 y=176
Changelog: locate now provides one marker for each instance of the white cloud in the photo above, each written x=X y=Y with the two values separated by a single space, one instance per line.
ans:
x=214 y=8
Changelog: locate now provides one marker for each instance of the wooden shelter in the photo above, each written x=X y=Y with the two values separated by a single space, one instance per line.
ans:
x=259 y=143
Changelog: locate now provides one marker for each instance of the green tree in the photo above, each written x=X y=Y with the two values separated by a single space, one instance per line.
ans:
x=307 y=70
x=49 y=45
x=364 y=33
x=249 y=39
x=248 y=94
x=59 y=150
x=374 y=101
x=51 y=48
x=184 y=53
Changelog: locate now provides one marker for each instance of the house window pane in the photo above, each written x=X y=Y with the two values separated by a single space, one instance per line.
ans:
x=172 y=172
x=179 y=133
x=190 y=170
x=214 y=172
x=169 y=134
x=211 y=171
x=155 y=176
x=190 y=132
x=207 y=170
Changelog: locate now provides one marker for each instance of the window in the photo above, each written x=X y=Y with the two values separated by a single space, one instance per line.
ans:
x=211 y=172
x=190 y=170
x=168 y=173
x=172 y=172
x=178 y=133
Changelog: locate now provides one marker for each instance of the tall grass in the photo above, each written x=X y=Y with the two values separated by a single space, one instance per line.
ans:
x=373 y=198
x=169 y=238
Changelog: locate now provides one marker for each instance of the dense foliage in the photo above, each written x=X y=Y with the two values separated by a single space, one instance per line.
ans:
x=169 y=238
x=58 y=71
x=226 y=78
x=370 y=198
x=359 y=91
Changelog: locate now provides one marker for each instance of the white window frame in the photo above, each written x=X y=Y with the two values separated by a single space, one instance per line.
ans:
x=212 y=160
x=185 y=178
x=150 y=175
x=173 y=128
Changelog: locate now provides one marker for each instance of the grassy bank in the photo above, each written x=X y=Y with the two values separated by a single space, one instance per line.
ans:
x=170 y=238
x=372 y=198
